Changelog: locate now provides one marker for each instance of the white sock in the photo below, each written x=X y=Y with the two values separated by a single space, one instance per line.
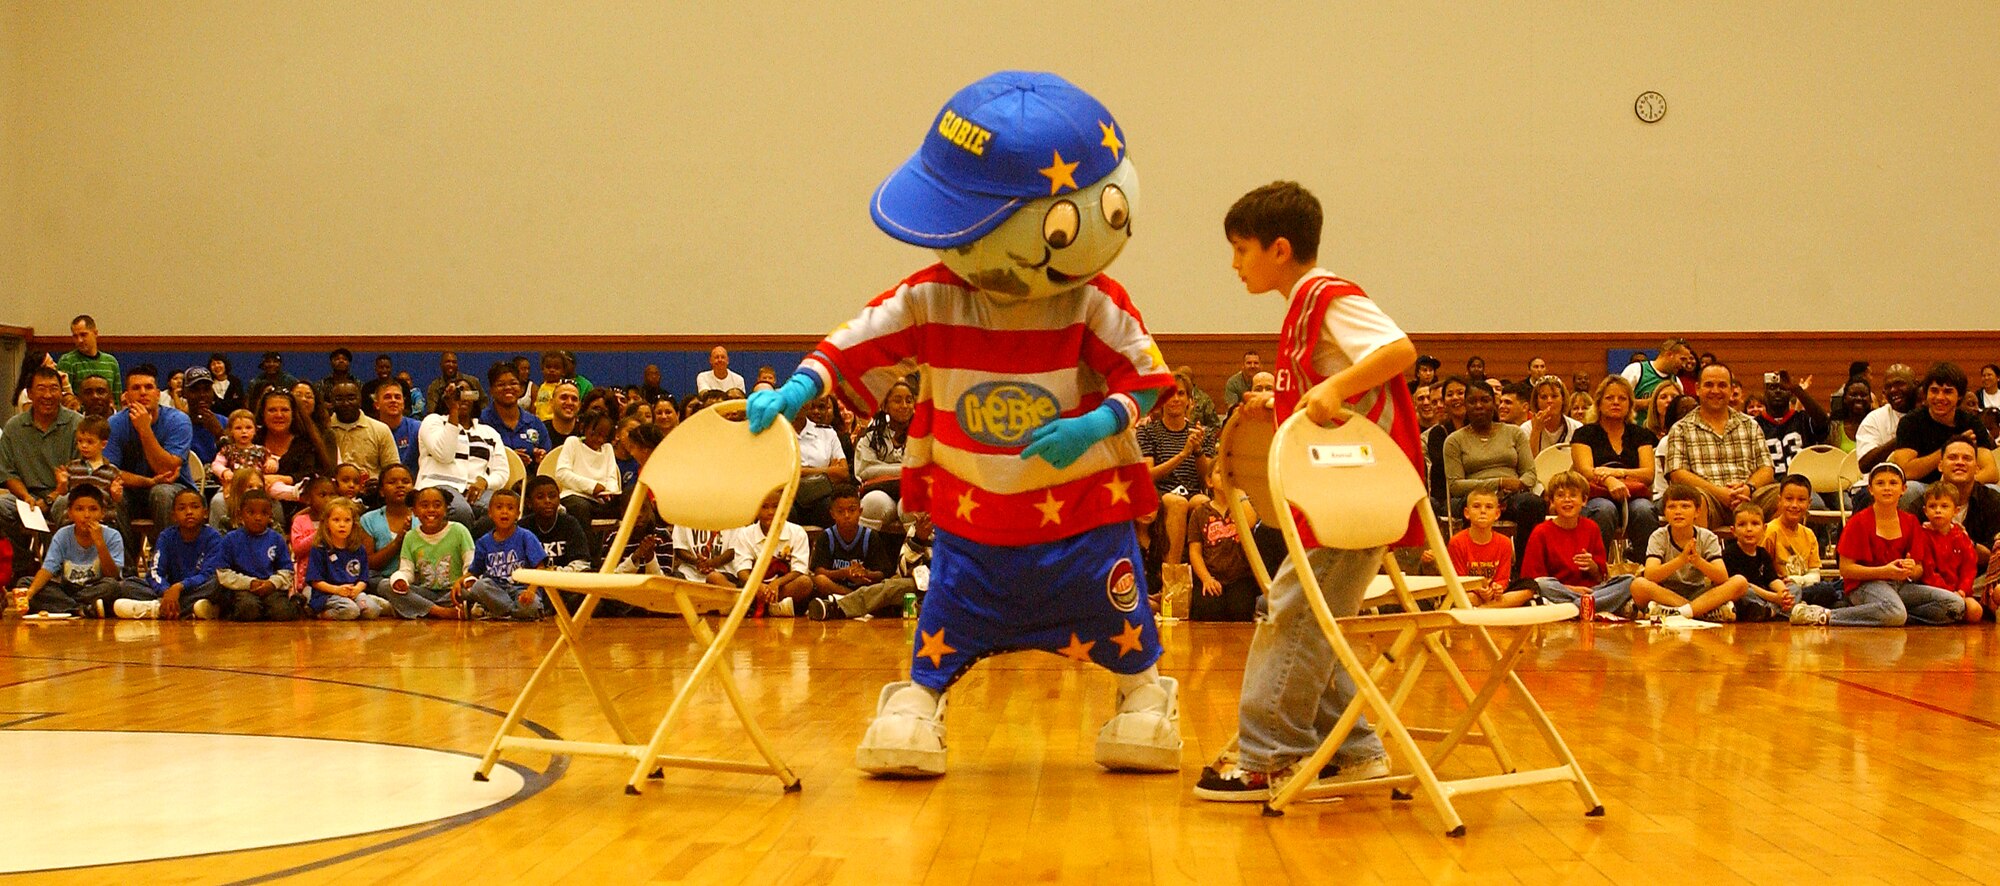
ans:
x=1686 y=610
x=1129 y=682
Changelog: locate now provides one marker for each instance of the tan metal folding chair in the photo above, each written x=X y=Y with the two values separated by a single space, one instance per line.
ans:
x=1354 y=489
x=710 y=473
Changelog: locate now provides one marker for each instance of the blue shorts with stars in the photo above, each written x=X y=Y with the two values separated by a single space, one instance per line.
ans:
x=1083 y=597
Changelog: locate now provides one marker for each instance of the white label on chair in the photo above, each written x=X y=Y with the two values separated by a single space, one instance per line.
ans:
x=1345 y=455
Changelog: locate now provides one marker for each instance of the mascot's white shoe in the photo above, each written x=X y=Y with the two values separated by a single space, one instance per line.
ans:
x=1145 y=734
x=907 y=737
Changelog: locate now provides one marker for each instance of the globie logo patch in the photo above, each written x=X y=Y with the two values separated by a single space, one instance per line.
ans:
x=1003 y=413
x=1122 y=586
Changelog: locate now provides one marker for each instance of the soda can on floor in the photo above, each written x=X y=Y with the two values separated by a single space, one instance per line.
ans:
x=909 y=605
x=1588 y=609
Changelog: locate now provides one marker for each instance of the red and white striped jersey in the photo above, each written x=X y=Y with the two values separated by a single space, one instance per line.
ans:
x=1330 y=326
x=993 y=370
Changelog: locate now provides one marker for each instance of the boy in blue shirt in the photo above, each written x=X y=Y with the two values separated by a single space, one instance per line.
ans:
x=174 y=582
x=253 y=565
x=495 y=557
x=80 y=573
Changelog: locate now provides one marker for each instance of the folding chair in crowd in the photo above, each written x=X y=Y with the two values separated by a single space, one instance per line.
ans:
x=710 y=473
x=1351 y=485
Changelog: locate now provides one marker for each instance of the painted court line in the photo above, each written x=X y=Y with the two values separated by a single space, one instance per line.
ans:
x=1980 y=721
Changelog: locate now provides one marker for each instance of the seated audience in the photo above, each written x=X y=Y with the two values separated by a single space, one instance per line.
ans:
x=413 y=395
x=271 y=375
x=1876 y=571
x=1511 y=404
x=1225 y=587
x=878 y=459
x=563 y=538
x=1451 y=417
x=461 y=456
x=1989 y=388
x=390 y=402
x=357 y=439
x=1618 y=459
x=1942 y=550
x=93 y=397
x=230 y=393
x=285 y=436
x=80 y=574
x=1654 y=409
x=86 y=361
x=305 y=521
x=1793 y=546
x=519 y=429
x=554 y=369
x=175 y=581
x=1875 y=439
x=1488 y=454
x=1200 y=408
x=149 y=444
x=718 y=377
x=1581 y=407
x=1426 y=371
x=587 y=469
x=385 y=526
x=431 y=574
x=822 y=463
x=567 y=404
x=1478 y=552
x=1792 y=420
x=1717 y=451
x=1849 y=408
x=787 y=584
x=253 y=565
x=448 y=376
x=1684 y=573
x=495 y=557
x=338 y=362
x=913 y=573
x=1978 y=504
x=35 y=443
x=312 y=423
x=90 y=468
x=1178 y=451
x=1675 y=358
x=849 y=556
x=1921 y=435
x=1565 y=556
x=205 y=422
x=1425 y=399
x=1253 y=363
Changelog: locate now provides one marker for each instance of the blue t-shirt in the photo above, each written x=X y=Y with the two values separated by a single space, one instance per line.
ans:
x=497 y=560
x=335 y=567
x=259 y=556
x=75 y=564
x=628 y=474
x=179 y=561
x=405 y=434
x=171 y=427
x=204 y=444
x=523 y=438
x=376 y=524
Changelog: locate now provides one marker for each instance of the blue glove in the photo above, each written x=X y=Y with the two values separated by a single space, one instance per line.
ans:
x=1063 y=441
x=765 y=407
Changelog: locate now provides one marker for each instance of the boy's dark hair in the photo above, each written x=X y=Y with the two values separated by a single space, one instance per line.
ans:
x=187 y=491
x=645 y=435
x=538 y=481
x=504 y=367
x=316 y=482
x=94 y=425
x=1749 y=506
x=86 y=491
x=503 y=492
x=1520 y=390
x=1682 y=492
x=85 y=319
x=591 y=417
x=1799 y=480
x=1279 y=209
x=153 y=372
x=1947 y=374
x=845 y=491
x=255 y=493
x=1941 y=490
x=44 y=373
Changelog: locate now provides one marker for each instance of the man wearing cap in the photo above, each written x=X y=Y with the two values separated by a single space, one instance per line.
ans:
x=1232 y=390
x=198 y=388
x=1427 y=372
x=1034 y=366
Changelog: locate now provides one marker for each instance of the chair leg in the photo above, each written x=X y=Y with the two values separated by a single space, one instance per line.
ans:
x=573 y=630
x=757 y=736
x=649 y=757
x=569 y=638
x=1475 y=711
x=519 y=707
x=1465 y=690
x=1390 y=721
x=1592 y=806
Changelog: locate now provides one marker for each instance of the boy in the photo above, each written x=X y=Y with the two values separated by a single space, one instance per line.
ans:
x=1565 y=555
x=913 y=576
x=848 y=556
x=788 y=582
x=1684 y=574
x=1944 y=551
x=495 y=557
x=79 y=574
x=253 y=565
x=1477 y=551
x=177 y=576
x=90 y=468
x=1767 y=597
x=563 y=539
x=706 y=555
x=1336 y=349
x=1795 y=547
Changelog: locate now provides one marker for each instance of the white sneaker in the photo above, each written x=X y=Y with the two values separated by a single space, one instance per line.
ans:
x=782 y=609
x=136 y=608
x=206 y=610
x=907 y=736
x=1809 y=614
x=1145 y=734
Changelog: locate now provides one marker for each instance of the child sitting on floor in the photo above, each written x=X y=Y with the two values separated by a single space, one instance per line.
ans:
x=1944 y=551
x=435 y=556
x=495 y=557
x=848 y=556
x=1478 y=551
x=80 y=573
x=1794 y=545
x=305 y=523
x=1768 y=597
x=253 y=566
x=1565 y=556
x=788 y=583
x=1684 y=574
x=176 y=579
x=337 y=566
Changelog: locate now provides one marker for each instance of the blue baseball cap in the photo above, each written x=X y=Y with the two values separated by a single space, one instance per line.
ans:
x=1007 y=139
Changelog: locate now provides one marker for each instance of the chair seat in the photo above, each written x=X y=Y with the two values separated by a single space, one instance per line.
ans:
x=1437 y=620
x=655 y=592
x=1382 y=590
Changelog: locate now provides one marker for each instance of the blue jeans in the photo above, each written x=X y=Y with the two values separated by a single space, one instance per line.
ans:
x=1891 y=604
x=1294 y=689
x=1643 y=519
x=415 y=604
x=1611 y=596
x=501 y=599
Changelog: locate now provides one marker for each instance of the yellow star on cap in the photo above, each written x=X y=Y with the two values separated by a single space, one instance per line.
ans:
x=1051 y=509
x=1060 y=174
x=934 y=648
x=1111 y=138
x=966 y=506
x=1077 y=649
x=1128 y=639
x=1118 y=485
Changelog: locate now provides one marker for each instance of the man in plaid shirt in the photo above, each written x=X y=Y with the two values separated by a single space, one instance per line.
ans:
x=1716 y=449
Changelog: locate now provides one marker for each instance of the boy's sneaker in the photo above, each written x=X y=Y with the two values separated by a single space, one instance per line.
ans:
x=825 y=609
x=136 y=608
x=206 y=610
x=781 y=609
x=1227 y=782
x=1809 y=614
x=1724 y=614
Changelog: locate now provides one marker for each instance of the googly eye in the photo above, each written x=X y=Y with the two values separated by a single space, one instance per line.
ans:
x=1059 y=227
x=1117 y=210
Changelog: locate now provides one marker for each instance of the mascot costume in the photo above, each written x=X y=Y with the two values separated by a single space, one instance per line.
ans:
x=1033 y=368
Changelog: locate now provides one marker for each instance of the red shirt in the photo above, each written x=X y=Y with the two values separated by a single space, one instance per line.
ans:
x=1948 y=558
x=1858 y=542
x=1552 y=551
x=1493 y=561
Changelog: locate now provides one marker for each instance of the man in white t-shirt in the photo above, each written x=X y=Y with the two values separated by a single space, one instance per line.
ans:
x=718 y=377
x=1875 y=439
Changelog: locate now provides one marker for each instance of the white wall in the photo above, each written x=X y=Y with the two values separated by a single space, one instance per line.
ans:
x=703 y=168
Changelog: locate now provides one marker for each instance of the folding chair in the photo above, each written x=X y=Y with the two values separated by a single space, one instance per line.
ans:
x=1353 y=499
x=1831 y=470
x=517 y=474
x=1550 y=462
x=710 y=473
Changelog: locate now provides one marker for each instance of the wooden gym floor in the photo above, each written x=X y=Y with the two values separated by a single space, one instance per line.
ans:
x=1751 y=753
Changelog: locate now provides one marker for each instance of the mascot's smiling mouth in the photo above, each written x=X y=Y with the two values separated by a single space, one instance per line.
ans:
x=1054 y=275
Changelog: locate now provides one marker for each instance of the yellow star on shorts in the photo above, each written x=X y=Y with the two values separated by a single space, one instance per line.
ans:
x=1077 y=649
x=966 y=505
x=1118 y=485
x=1051 y=509
x=1128 y=639
x=1060 y=174
x=1111 y=138
x=934 y=648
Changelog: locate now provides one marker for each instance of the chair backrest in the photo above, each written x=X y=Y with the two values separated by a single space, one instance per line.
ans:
x=548 y=466
x=1244 y=452
x=712 y=473
x=1351 y=483
x=197 y=471
x=517 y=472
x=1552 y=461
x=1828 y=467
